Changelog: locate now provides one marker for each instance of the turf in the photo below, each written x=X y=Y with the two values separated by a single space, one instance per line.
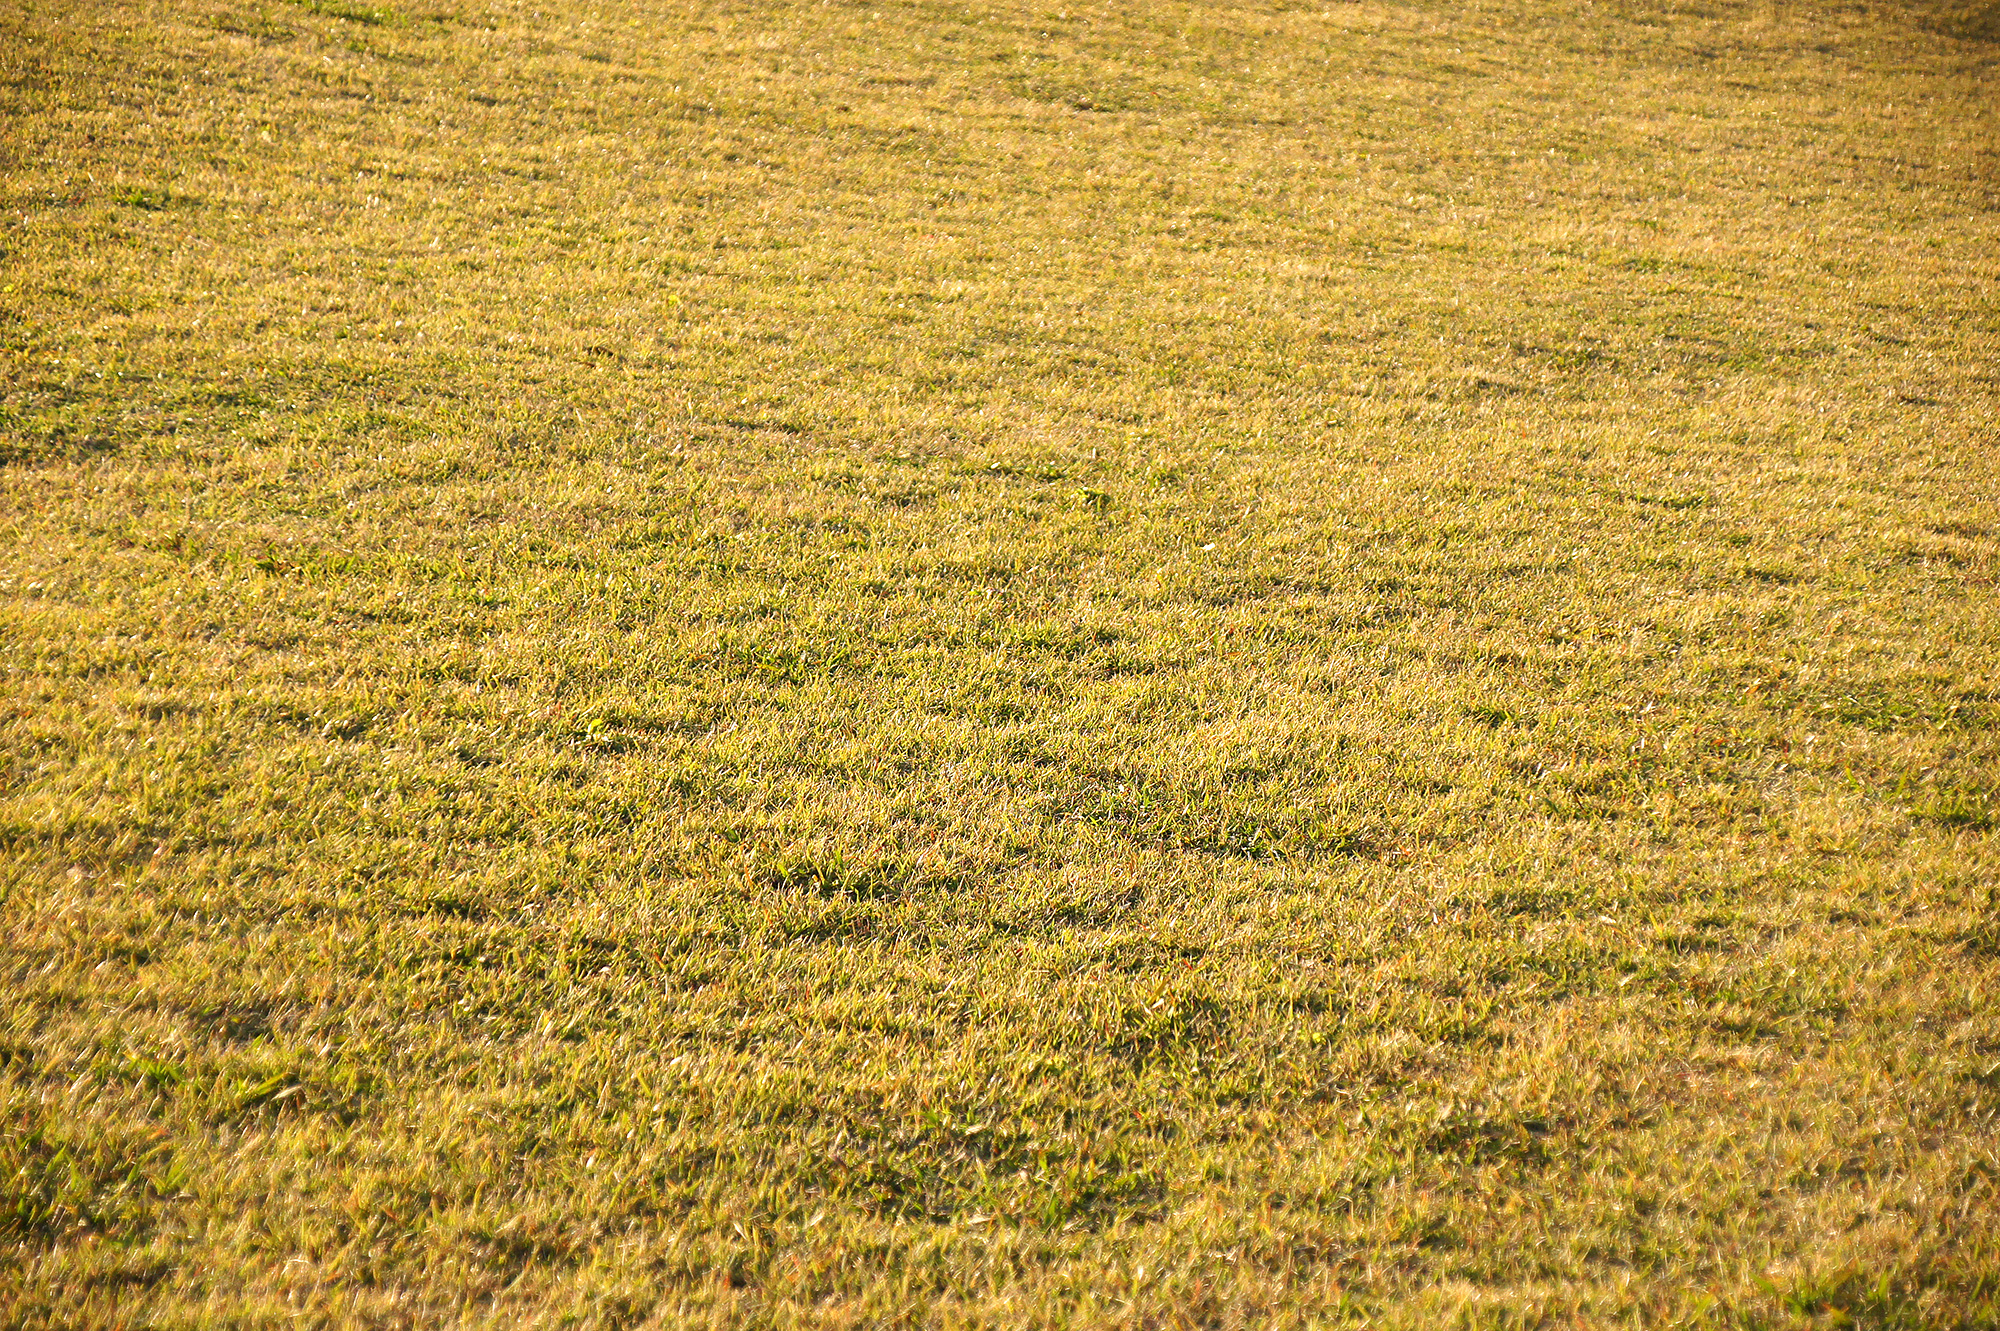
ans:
x=969 y=664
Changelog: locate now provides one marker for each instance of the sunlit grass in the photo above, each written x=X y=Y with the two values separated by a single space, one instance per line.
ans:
x=1147 y=664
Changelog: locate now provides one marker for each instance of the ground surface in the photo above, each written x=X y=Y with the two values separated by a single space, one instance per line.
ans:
x=955 y=663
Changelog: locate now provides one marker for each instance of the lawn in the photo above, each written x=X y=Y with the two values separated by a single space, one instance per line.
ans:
x=962 y=663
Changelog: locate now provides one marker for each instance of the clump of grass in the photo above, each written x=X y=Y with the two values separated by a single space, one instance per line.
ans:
x=148 y=200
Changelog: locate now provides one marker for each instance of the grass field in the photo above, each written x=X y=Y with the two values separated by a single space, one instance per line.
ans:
x=969 y=663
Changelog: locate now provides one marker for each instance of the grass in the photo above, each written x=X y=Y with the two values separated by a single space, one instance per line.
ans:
x=912 y=663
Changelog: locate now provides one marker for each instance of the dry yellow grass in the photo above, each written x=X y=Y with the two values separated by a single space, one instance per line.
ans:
x=1161 y=664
